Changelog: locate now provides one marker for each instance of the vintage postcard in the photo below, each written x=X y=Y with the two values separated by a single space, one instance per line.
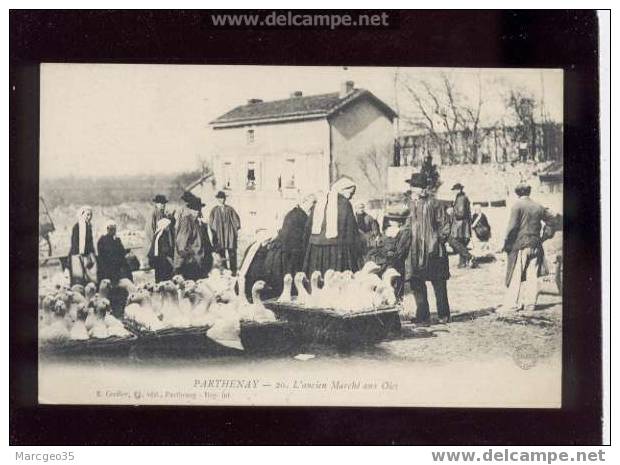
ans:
x=300 y=236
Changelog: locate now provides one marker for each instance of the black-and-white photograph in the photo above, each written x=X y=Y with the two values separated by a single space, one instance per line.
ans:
x=300 y=236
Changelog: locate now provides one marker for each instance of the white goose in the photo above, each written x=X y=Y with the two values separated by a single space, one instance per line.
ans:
x=287 y=282
x=256 y=311
x=302 y=294
x=386 y=289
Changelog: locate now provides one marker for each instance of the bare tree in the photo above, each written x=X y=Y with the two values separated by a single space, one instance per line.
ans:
x=471 y=125
x=372 y=164
x=522 y=106
x=452 y=120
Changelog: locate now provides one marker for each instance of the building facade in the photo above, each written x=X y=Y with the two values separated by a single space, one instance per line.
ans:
x=268 y=154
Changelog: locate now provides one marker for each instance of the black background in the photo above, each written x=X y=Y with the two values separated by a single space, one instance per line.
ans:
x=557 y=39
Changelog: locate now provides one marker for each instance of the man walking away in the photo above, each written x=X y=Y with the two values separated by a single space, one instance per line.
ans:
x=461 y=226
x=427 y=258
x=225 y=224
x=526 y=256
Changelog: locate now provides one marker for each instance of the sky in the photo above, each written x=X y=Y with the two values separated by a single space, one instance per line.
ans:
x=119 y=119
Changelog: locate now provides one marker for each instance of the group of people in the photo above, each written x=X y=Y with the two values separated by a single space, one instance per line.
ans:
x=181 y=242
x=326 y=233
x=185 y=243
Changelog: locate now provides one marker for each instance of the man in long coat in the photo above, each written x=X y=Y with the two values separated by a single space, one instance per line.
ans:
x=225 y=224
x=461 y=225
x=427 y=258
x=523 y=243
x=191 y=248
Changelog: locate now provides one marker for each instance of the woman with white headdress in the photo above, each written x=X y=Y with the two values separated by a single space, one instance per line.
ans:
x=332 y=235
x=161 y=251
x=83 y=265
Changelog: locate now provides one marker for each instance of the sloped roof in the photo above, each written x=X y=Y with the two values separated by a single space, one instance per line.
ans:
x=296 y=108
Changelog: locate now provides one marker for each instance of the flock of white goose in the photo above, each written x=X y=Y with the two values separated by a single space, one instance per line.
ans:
x=78 y=313
x=344 y=292
x=217 y=302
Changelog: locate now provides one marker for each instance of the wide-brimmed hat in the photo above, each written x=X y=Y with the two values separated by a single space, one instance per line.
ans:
x=159 y=198
x=187 y=196
x=457 y=186
x=220 y=195
x=195 y=204
x=417 y=180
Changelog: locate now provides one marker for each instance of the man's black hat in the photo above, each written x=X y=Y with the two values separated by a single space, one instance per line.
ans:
x=417 y=180
x=220 y=195
x=159 y=198
x=458 y=186
x=195 y=203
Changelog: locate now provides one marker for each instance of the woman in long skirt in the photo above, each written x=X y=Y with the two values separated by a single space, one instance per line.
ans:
x=332 y=235
x=82 y=259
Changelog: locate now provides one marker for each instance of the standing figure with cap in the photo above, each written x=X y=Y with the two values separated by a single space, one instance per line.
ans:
x=396 y=234
x=369 y=227
x=150 y=230
x=190 y=248
x=427 y=258
x=524 y=245
x=332 y=235
x=111 y=262
x=225 y=224
x=461 y=225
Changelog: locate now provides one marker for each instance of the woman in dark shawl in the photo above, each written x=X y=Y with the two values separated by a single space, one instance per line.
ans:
x=111 y=263
x=333 y=238
x=285 y=254
x=480 y=225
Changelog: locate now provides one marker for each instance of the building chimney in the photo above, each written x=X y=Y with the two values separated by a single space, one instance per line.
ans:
x=346 y=88
x=296 y=94
x=252 y=101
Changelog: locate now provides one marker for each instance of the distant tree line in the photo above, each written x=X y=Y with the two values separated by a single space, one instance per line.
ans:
x=114 y=190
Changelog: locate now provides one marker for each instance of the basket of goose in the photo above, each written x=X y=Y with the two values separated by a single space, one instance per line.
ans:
x=203 y=316
x=79 y=320
x=348 y=309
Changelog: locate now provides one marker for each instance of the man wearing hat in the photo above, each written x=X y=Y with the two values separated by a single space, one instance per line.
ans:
x=461 y=224
x=425 y=250
x=192 y=254
x=157 y=213
x=225 y=224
